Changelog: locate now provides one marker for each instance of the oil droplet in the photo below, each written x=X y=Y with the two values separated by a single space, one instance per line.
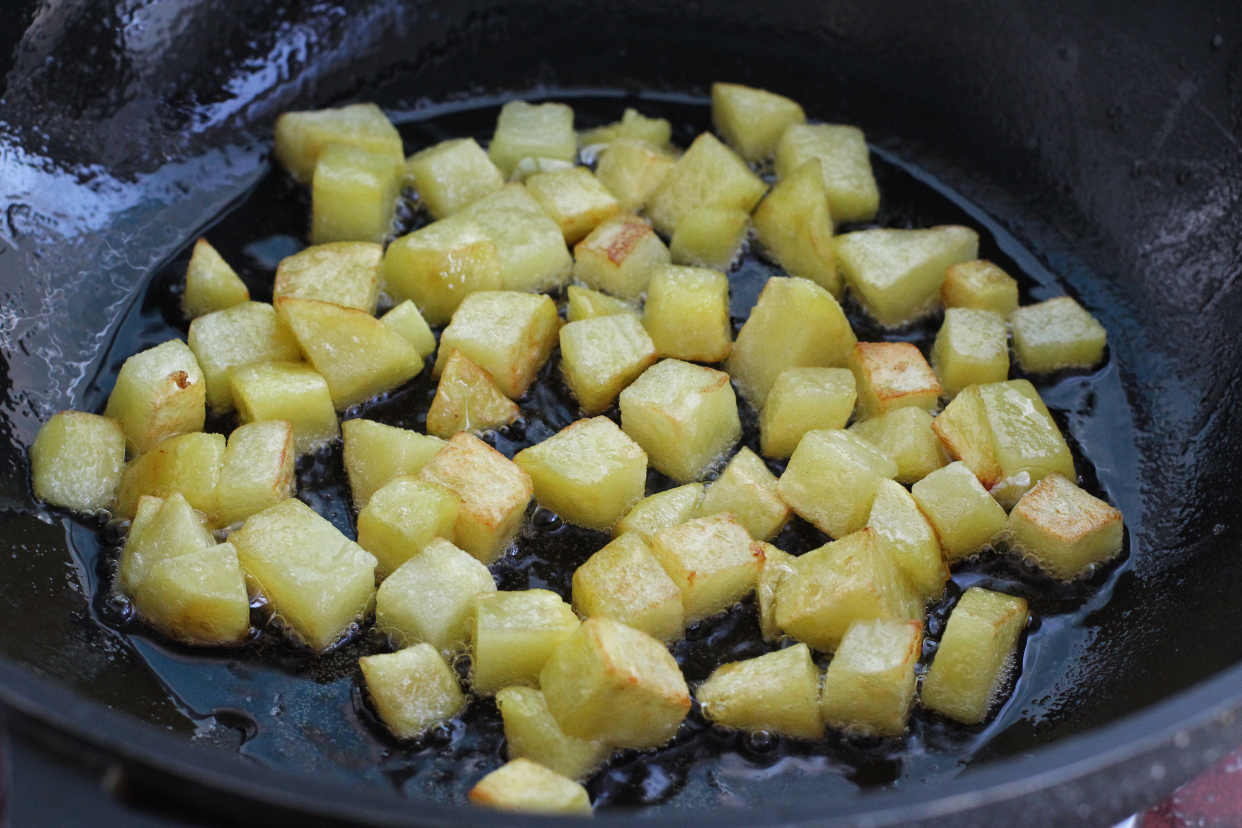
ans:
x=761 y=741
x=546 y=521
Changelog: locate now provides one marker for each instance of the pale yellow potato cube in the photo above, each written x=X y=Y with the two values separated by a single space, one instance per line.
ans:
x=289 y=391
x=795 y=228
x=575 y=200
x=795 y=324
x=802 y=400
x=508 y=334
x=981 y=285
x=188 y=463
x=345 y=273
x=198 y=598
x=158 y=393
x=257 y=470
x=966 y=518
x=354 y=195
x=660 y=511
x=467 y=400
x=625 y=582
x=687 y=313
x=534 y=166
x=611 y=683
x=245 y=334
x=407 y=321
x=302 y=136
x=210 y=284
x=904 y=532
x=971 y=348
x=708 y=175
x=494 y=492
x=747 y=490
x=584 y=304
x=77 y=460
x=633 y=125
x=532 y=251
x=709 y=237
x=776 y=565
x=964 y=431
x=531 y=733
x=869 y=686
x=632 y=169
x=684 y=416
x=451 y=175
x=430 y=597
x=527 y=787
x=1026 y=441
x=777 y=692
x=376 y=454
x=892 y=375
x=1063 y=528
x=412 y=689
x=831 y=480
x=844 y=161
x=600 y=357
x=906 y=435
x=402 y=518
x=1056 y=334
x=317 y=581
x=752 y=120
x=441 y=264
x=712 y=560
x=977 y=653
x=514 y=633
x=532 y=131
x=619 y=257
x=163 y=528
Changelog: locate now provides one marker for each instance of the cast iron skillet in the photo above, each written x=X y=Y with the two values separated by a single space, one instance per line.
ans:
x=1106 y=143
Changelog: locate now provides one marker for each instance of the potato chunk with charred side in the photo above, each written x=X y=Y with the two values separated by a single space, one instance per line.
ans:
x=302 y=136
x=907 y=436
x=981 y=285
x=353 y=195
x=966 y=518
x=778 y=692
x=402 y=518
x=1063 y=528
x=210 y=284
x=709 y=237
x=439 y=265
x=412 y=689
x=1056 y=334
x=343 y=273
x=687 y=313
x=892 y=375
x=660 y=511
x=869 y=686
x=246 y=334
x=430 y=597
x=713 y=561
x=188 y=463
x=575 y=200
x=831 y=480
x=632 y=169
x=289 y=391
x=802 y=400
x=618 y=257
x=845 y=163
x=526 y=130
x=528 y=787
x=752 y=120
x=77 y=460
x=467 y=400
x=451 y=175
x=600 y=357
x=795 y=227
x=376 y=453
x=708 y=175
x=158 y=393
x=971 y=348
x=257 y=471
x=514 y=633
x=531 y=733
x=747 y=490
x=625 y=582
x=510 y=335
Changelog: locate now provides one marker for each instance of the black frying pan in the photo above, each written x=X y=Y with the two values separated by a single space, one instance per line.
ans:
x=1099 y=152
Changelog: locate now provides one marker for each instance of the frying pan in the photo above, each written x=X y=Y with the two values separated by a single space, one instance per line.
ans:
x=1099 y=146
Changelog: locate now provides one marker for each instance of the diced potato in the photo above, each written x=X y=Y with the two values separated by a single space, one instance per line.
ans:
x=976 y=655
x=892 y=375
x=844 y=160
x=430 y=598
x=1063 y=528
x=441 y=264
x=590 y=473
x=527 y=787
x=1027 y=443
x=687 y=313
x=897 y=274
x=795 y=227
x=575 y=200
x=747 y=490
x=709 y=237
x=531 y=247
x=402 y=518
x=849 y=580
x=660 y=511
x=257 y=470
x=618 y=257
x=971 y=348
x=188 y=463
x=357 y=355
x=531 y=733
x=467 y=400
x=966 y=518
x=684 y=416
x=162 y=529
x=776 y=565
x=412 y=689
x=708 y=175
x=632 y=169
x=1056 y=334
x=802 y=400
x=589 y=304
x=452 y=175
x=158 y=393
x=210 y=284
x=981 y=285
x=345 y=273
x=906 y=435
x=198 y=598
x=354 y=195
x=288 y=391
x=532 y=130
x=77 y=460
x=963 y=429
x=903 y=531
x=600 y=357
x=611 y=683
x=712 y=560
x=752 y=120
x=246 y=334
x=317 y=581
x=508 y=334
x=407 y=321
x=514 y=633
x=625 y=582
x=534 y=166
x=376 y=454
x=831 y=480
x=777 y=692
x=302 y=136
x=795 y=324
x=633 y=125
x=494 y=492
x=869 y=687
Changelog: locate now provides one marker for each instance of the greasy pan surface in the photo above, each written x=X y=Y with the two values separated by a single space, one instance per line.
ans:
x=1107 y=146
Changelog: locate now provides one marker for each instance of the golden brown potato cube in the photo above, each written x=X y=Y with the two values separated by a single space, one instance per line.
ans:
x=412 y=689
x=687 y=313
x=971 y=348
x=246 y=334
x=198 y=598
x=660 y=511
x=632 y=169
x=210 y=284
x=532 y=131
x=964 y=431
x=709 y=237
x=633 y=125
x=892 y=375
x=600 y=357
x=684 y=416
x=531 y=733
x=966 y=518
x=586 y=304
x=508 y=334
x=1063 y=528
x=1026 y=441
x=832 y=478
x=903 y=531
x=795 y=227
x=777 y=692
x=575 y=200
x=344 y=273
x=590 y=473
x=289 y=391
x=467 y=400
x=708 y=175
x=353 y=195
x=77 y=460
x=844 y=160
x=493 y=490
x=441 y=264
x=869 y=687
x=302 y=136
x=407 y=321
x=257 y=470
x=527 y=787
x=514 y=633
x=981 y=285
x=158 y=393
x=618 y=257
x=451 y=175
x=906 y=435
x=776 y=565
x=611 y=683
x=431 y=596
x=625 y=582
x=802 y=400
x=403 y=517
x=1056 y=334
x=747 y=490
x=712 y=560
x=376 y=454
x=162 y=528
x=752 y=120
x=188 y=463
x=795 y=324
x=531 y=247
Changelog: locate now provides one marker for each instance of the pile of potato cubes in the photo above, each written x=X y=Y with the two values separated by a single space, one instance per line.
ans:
x=639 y=247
